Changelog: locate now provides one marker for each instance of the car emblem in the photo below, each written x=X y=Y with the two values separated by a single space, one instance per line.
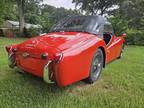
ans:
x=25 y=54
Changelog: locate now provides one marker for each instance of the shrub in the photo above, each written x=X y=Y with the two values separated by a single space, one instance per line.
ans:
x=32 y=32
x=135 y=37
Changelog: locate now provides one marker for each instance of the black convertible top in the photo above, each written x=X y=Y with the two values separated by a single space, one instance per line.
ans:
x=91 y=24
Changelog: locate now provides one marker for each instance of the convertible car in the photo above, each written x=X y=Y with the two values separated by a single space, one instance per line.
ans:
x=76 y=48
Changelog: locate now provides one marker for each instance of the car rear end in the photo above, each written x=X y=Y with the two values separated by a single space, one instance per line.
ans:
x=34 y=59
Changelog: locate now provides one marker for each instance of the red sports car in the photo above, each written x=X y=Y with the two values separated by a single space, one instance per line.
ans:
x=76 y=48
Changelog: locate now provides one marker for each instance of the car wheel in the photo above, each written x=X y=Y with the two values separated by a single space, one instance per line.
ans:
x=121 y=52
x=96 y=66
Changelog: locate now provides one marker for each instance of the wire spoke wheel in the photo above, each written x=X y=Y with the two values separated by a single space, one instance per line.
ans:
x=96 y=66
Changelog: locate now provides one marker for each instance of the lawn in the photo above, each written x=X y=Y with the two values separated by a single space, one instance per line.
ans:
x=121 y=85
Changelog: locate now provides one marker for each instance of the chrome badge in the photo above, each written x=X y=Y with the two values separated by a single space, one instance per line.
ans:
x=25 y=54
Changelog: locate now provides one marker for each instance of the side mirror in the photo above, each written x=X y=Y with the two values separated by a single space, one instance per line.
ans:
x=124 y=35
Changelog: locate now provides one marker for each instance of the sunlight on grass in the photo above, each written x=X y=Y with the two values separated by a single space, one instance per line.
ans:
x=121 y=85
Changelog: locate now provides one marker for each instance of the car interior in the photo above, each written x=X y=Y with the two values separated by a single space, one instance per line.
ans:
x=107 y=38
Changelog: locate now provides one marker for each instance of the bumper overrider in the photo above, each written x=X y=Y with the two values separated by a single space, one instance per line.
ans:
x=12 y=60
x=46 y=73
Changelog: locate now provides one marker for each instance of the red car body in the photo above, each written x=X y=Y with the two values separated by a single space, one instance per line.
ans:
x=67 y=55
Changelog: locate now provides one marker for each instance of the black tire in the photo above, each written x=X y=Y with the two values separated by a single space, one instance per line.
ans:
x=96 y=66
x=121 y=52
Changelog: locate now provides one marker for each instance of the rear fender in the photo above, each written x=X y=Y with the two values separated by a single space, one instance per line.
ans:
x=76 y=63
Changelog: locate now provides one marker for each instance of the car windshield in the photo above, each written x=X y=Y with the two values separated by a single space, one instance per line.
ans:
x=78 y=24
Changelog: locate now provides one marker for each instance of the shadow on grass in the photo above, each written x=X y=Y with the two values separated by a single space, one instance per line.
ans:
x=37 y=83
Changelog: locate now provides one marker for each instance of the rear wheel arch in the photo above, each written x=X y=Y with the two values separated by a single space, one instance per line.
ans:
x=96 y=66
x=104 y=54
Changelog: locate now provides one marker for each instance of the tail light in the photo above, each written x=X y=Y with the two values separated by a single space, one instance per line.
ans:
x=14 y=50
x=8 y=48
x=44 y=56
x=58 y=57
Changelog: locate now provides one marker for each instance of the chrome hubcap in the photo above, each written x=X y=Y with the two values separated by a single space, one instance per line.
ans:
x=97 y=65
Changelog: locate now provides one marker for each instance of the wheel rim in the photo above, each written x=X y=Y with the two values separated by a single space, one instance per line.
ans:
x=97 y=66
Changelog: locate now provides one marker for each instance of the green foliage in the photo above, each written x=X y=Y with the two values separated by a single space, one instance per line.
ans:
x=31 y=32
x=7 y=11
x=135 y=37
x=32 y=11
x=46 y=22
x=133 y=10
x=119 y=24
x=51 y=15
x=129 y=18
x=95 y=7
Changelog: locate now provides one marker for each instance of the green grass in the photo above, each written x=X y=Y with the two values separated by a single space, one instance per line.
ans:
x=121 y=85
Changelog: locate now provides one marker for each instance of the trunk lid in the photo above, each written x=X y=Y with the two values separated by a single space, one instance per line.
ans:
x=53 y=42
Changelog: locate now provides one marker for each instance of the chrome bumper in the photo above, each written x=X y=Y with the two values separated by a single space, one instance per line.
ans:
x=11 y=60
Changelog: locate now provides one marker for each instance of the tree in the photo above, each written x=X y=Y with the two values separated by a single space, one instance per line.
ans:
x=120 y=25
x=133 y=11
x=7 y=10
x=32 y=10
x=129 y=18
x=51 y=15
x=95 y=7
x=20 y=5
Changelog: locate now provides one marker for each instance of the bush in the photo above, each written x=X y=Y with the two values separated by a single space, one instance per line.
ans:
x=119 y=24
x=135 y=37
x=32 y=32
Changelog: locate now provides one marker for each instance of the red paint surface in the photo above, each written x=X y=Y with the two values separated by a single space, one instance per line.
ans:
x=77 y=49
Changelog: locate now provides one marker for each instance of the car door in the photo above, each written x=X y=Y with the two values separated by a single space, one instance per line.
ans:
x=117 y=44
x=111 y=45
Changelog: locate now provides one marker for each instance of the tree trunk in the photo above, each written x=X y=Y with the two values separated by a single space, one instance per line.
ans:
x=20 y=5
